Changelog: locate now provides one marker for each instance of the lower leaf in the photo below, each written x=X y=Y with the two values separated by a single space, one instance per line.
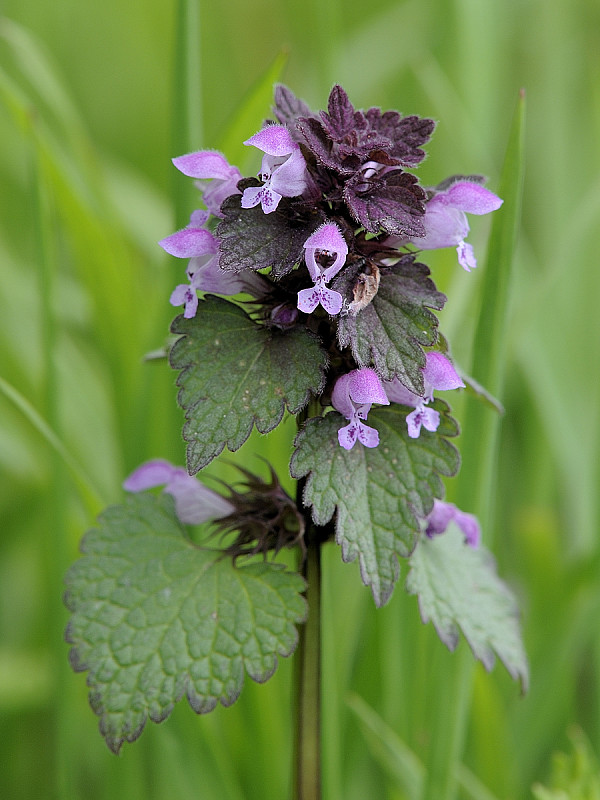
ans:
x=458 y=588
x=155 y=617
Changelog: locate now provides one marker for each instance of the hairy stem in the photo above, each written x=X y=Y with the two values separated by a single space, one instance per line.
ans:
x=307 y=751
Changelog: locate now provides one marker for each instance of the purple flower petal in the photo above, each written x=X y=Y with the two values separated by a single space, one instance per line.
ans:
x=217 y=178
x=439 y=518
x=422 y=416
x=283 y=169
x=469 y=525
x=414 y=422
x=352 y=396
x=330 y=300
x=194 y=502
x=251 y=196
x=206 y=164
x=445 y=226
x=443 y=514
x=275 y=140
x=440 y=374
x=185 y=294
x=471 y=197
x=308 y=299
x=340 y=397
x=289 y=178
x=466 y=256
x=150 y=474
x=430 y=419
x=398 y=393
x=445 y=220
x=189 y=243
x=369 y=437
x=327 y=241
x=356 y=389
x=365 y=387
x=347 y=435
x=199 y=218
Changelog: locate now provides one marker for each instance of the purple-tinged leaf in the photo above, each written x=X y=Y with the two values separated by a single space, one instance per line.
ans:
x=288 y=108
x=251 y=239
x=407 y=135
x=392 y=201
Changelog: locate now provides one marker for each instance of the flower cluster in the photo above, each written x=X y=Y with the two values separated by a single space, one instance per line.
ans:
x=326 y=237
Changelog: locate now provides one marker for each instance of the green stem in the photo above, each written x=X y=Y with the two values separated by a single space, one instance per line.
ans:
x=307 y=751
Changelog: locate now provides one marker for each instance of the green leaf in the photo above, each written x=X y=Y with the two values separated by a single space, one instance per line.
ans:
x=236 y=373
x=155 y=617
x=251 y=239
x=390 y=332
x=458 y=587
x=381 y=494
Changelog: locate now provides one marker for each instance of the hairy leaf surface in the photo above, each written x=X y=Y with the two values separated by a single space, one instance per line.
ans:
x=393 y=202
x=381 y=494
x=236 y=374
x=155 y=617
x=458 y=588
x=251 y=239
x=390 y=332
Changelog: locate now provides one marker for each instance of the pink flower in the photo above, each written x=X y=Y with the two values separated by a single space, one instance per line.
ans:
x=325 y=255
x=194 y=502
x=209 y=165
x=443 y=514
x=283 y=169
x=445 y=218
x=438 y=374
x=202 y=248
x=353 y=395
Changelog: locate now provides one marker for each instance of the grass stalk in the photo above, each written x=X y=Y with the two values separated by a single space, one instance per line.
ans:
x=479 y=449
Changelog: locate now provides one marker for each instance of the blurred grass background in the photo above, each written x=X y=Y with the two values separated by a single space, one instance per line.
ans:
x=88 y=124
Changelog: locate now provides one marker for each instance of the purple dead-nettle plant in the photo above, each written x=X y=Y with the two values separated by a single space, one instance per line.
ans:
x=305 y=297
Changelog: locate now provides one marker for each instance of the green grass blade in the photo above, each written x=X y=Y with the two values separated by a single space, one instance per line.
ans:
x=478 y=443
x=396 y=758
x=251 y=114
x=90 y=495
x=478 y=449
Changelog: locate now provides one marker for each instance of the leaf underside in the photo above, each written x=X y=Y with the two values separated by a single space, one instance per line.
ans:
x=236 y=374
x=458 y=588
x=381 y=494
x=154 y=617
